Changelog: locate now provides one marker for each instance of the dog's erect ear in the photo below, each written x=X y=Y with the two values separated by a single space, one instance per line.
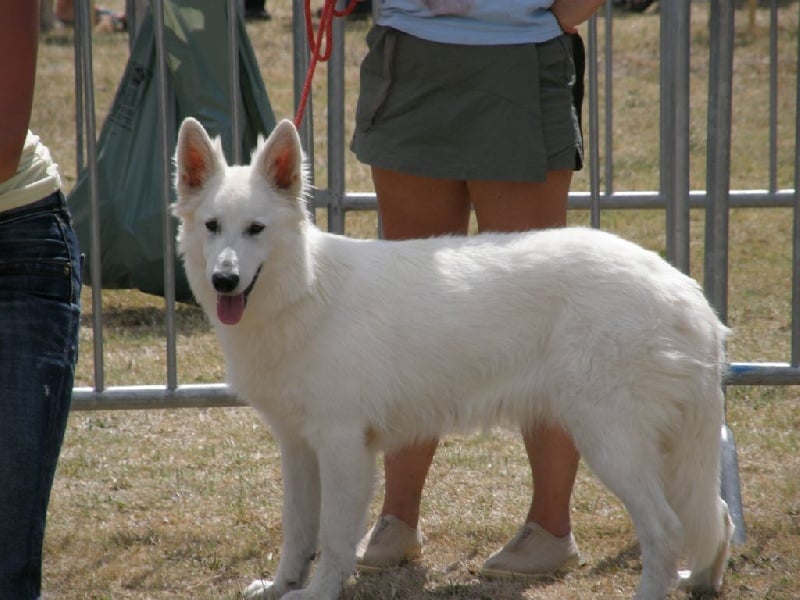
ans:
x=280 y=160
x=197 y=158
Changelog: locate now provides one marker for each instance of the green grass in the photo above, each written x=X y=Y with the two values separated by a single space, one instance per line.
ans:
x=186 y=503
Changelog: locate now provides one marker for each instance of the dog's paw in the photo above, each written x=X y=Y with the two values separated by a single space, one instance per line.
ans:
x=261 y=589
x=698 y=583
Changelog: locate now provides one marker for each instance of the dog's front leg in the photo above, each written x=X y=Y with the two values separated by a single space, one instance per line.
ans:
x=301 y=494
x=347 y=469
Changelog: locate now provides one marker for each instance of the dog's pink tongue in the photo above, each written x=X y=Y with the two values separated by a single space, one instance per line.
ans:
x=230 y=308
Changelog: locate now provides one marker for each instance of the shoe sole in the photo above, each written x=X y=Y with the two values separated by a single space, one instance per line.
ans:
x=369 y=569
x=569 y=564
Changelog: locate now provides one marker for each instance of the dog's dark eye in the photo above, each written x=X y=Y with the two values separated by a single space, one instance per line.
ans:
x=255 y=228
x=212 y=225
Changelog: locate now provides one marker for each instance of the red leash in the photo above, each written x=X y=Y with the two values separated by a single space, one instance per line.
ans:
x=318 y=53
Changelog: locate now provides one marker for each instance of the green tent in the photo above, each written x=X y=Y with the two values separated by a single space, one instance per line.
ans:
x=129 y=164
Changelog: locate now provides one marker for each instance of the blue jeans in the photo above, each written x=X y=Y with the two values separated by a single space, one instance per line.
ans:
x=40 y=284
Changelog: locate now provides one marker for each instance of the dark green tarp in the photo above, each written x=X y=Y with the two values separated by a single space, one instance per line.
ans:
x=130 y=169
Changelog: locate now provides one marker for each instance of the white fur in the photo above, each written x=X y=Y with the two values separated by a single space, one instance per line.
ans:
x=348 y=348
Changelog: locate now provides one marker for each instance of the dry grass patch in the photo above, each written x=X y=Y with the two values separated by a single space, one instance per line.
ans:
x=186 y=504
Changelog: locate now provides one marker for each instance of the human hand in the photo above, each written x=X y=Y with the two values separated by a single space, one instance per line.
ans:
x=571 y=13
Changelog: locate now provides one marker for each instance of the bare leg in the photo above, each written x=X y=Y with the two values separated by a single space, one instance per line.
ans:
x=511 y=206
x=554 y=464
x=422 y=207
x=521 y=206
x=405 y=473
x=415 y=207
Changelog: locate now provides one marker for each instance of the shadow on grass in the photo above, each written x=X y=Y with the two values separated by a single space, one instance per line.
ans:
x=145 y=319
x=626 y=559
x=413 y=581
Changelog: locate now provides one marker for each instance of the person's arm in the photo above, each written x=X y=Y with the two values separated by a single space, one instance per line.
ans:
x=571 y=13
x=19 y=38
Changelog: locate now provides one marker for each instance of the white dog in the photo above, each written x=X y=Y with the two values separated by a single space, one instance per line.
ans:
x=351 y=347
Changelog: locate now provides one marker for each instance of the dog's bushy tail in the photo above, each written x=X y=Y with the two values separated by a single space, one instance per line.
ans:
x=692 y=481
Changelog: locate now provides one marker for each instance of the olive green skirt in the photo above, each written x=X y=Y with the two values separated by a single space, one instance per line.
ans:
x=450 y=111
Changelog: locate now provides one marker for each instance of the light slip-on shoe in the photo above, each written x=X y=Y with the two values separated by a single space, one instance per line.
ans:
x=532 y=553
x=389 y=543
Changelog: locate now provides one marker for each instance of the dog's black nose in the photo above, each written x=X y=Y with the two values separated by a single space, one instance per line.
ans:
x=225 y=282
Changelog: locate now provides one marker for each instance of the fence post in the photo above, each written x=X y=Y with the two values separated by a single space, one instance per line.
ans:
x=336 y=143
x=795 y=319
x=85 y=113
x=675 y=42
x=300 y=63
x=165 y=144
x=718 y=160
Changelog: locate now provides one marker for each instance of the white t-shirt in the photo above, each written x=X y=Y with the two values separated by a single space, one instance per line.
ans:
x=36 y=177
x=472 y=22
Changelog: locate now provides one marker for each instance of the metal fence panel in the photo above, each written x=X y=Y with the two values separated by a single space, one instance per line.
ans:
x=674 y=195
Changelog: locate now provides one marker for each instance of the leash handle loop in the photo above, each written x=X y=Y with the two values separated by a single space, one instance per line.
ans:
x=319 y=52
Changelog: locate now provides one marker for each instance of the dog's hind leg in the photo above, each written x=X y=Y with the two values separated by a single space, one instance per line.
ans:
x=300 y=520
x=709 y=580
x=347 y=470
x=626 y=459
x=659 y=532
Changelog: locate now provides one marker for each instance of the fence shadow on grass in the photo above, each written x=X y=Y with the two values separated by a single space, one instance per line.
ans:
x=147 y=316
x=413 y=581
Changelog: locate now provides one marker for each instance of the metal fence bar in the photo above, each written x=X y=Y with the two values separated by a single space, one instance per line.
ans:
x=87 y=112
x=773 y=95
x=154 y=396
x=718 y=154
x=360 y=201
x=233 y=71
x=210 y=395
x=300 y=64
x=608 y=97
x=336 y=141
x=666 y=113
x=795 y=322
x=763 y=374
x=594 y=123
x=718 y=161
x=675 y=128
x=165 y=145
x=80 y=163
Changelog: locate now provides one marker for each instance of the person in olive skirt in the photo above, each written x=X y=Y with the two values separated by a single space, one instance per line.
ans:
x=474 y=105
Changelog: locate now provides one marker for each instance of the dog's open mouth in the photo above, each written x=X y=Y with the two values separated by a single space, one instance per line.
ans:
x=230 y=307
